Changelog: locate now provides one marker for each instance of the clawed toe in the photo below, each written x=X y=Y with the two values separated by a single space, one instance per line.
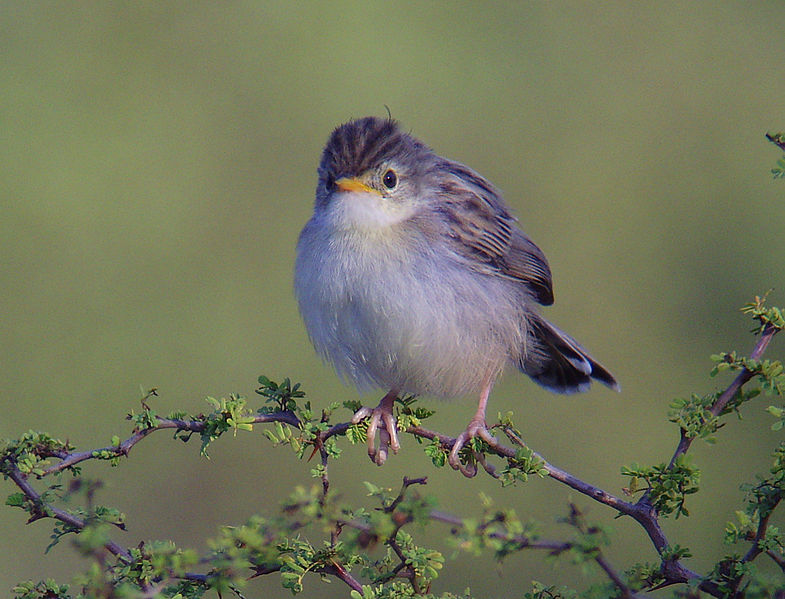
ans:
x=476 y=428
x=383 y=420
x=361 y=415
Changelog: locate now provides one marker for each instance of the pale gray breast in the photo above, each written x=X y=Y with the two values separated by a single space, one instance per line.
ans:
x=406 y=315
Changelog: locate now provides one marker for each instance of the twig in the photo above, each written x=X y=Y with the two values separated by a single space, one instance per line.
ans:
x=756 y=549
x=556 y=473
x=407 y=482
x=410 y=572
x=324 y=475
x=778 y=140
x=343 y=574
x=626 y=592
x=61 y=515
x=777 y=559
x=123 y=449
x=726 y=396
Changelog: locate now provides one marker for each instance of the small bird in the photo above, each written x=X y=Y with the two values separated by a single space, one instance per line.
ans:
x=413 y=276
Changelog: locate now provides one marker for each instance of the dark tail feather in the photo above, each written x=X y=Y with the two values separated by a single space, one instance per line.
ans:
x=559 y=363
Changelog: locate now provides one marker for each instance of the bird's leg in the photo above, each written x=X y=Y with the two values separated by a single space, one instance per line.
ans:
x=388 y=433
x=475 y=428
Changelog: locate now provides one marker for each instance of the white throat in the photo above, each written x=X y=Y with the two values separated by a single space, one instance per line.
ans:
x=366 y=211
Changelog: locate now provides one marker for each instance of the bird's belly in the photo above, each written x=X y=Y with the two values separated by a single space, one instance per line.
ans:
x=417 y=322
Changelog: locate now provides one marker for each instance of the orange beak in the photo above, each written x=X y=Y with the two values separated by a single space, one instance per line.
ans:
x=352 y=184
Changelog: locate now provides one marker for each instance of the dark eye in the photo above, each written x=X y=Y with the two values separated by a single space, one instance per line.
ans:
x=390 y=179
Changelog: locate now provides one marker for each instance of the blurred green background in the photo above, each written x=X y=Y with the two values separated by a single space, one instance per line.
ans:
x=158 y=161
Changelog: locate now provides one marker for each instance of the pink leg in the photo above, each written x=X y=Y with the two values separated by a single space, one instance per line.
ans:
x=388 y=434
x=475 y=428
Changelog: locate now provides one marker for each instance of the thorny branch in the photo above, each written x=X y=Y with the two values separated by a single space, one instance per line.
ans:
x=741 y=379
x=58 y=514
x=642 y=511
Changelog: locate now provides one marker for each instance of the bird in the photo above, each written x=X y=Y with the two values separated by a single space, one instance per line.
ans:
x=413 y=276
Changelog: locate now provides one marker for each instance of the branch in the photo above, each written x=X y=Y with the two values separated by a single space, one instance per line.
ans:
x=777 y=139
x=343 y=574
x=67 y=460
x=642 y=511
x=58 y=514
x=519 y=541
x=626 y=592
x=777 y=559
x=726 y=396
x=756 y=549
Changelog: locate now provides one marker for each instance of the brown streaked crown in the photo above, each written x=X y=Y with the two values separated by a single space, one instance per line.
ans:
x=364 y=144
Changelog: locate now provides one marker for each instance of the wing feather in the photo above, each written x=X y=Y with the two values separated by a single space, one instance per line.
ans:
x=482 y=230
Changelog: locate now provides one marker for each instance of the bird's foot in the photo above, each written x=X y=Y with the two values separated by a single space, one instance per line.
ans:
x=383 y=420
x=476 y=428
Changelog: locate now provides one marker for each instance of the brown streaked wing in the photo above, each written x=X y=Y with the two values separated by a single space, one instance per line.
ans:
x=484 y=232
x=525 y=261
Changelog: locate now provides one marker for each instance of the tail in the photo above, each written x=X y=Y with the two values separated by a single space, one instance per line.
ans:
x=559 y=363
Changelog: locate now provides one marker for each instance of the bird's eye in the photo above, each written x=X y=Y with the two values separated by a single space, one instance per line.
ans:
x=390 y=179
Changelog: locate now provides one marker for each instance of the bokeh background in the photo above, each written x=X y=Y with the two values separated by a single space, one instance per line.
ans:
x=158 y=161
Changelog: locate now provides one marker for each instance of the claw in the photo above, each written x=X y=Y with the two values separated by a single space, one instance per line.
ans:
x=388 y=433
x=476 y=428
x=361 y=414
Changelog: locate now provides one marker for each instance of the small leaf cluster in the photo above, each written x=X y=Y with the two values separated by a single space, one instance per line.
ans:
x=767 y=316
x=596 y=591
x=310 y=434
x=253 y=545
x=542 y=591
x=644 y=575
x=421 y=565
x=147 y=418
x=282 y=397
x=667 y=486
x=763 y=496
x=438 y=453
x=520 y=467
x=31 y=453
x=98 y=521
x=779 y=170
x=299 y=557
x=770 y=373
x=280 y=434
x=589 y=540
x=45 y=589
x=770 y=491
x=400 y=590
x=779 y=413
x=403 y=556
x=313 y=432
x=734 y=576
x=525 y=462
x=778 y=139
x=409 y=414
x=229 y=413
x=499 y=530
x=694 y=416
x=156 y=566
x=36 y=508
x=752 y=526
x=156 y=561
x=111 y=454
